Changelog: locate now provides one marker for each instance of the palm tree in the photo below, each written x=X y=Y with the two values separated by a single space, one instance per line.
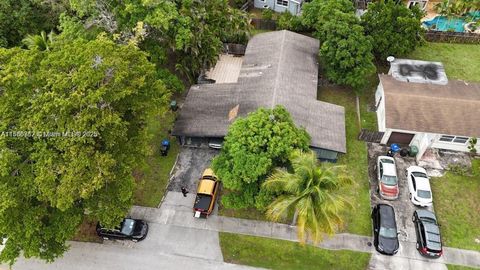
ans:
x=40 y=42
x=312 y=193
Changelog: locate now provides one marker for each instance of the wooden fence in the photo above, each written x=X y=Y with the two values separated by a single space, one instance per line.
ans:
x=452 y=37
x=263 y=24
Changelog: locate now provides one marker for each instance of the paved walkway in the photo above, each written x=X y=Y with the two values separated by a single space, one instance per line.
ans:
x=176 y=210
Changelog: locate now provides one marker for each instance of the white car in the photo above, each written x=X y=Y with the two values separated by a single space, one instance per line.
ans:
x=419 y=186
x=387 y=178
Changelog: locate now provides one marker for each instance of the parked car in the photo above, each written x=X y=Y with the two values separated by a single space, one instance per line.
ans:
x=206 y=194
x=385 y=236
x=429 y=242
x=419 y=186
x=387 y=178
x=129 y=229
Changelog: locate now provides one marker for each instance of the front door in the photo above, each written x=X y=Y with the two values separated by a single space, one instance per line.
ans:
x=400 y=138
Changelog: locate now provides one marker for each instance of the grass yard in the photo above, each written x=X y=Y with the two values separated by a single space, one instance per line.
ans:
x=461 y=60
x=284 y=255
x=152 y=178
x=458 y=267
x=358 y=218
x=457 y=206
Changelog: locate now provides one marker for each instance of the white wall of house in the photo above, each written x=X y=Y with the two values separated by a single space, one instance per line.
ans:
x=380 y=106
x=293 y=6
x=425 y=140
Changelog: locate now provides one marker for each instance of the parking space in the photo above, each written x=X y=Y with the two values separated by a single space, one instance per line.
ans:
x=404 y=208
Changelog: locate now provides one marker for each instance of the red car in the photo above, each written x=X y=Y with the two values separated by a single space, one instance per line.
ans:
x=387 y=178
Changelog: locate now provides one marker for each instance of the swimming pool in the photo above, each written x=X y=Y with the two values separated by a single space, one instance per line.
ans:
x=442 y=23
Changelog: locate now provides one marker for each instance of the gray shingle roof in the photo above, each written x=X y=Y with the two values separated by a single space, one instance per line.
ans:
x=451 y=109
x=279 y=68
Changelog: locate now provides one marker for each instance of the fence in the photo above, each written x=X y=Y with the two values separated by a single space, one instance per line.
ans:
x=452 y=37
x=263 y=24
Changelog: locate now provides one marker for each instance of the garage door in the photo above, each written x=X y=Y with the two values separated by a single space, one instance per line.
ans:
x=400 y=138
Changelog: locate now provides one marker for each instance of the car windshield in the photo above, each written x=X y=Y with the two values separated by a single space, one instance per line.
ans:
x=389 y=180
x=419 y=174
x=388 y=232
x=384 y=160
x=424 y=194
x=128 y=226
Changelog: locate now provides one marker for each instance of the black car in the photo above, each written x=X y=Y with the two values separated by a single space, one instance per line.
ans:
x=385 y=229
x=429 y=243
x=129 y=229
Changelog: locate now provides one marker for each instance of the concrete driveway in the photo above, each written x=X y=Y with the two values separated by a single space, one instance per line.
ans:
x=404 y=209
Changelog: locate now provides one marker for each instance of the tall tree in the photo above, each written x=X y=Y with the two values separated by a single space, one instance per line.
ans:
x=193 y=31
x=312 y=192
x=254 y=146
x=21 y=17
x=319 y=11
x=345 y=51
x=72 y=129
x=394 y=28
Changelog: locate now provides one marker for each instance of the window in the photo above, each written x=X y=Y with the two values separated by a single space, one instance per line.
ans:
x=414 y=183
x=455 y=139
x=282 y=3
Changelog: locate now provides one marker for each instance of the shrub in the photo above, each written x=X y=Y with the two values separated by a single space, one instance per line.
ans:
x=267 y=14
x=287 y=21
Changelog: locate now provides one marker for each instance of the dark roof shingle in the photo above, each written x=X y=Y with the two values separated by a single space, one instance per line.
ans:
x=452 y=109
x=279 y=68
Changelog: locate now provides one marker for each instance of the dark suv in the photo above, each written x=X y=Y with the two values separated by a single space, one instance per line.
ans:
x=429 y=243
x=129 y=229
x=385 y=237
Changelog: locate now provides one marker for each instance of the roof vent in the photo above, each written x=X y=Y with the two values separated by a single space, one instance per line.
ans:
x=418 y=71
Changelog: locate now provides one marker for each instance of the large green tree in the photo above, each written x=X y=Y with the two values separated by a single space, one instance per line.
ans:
x=319 y=11
x=72 y=123
x=253 y=147
x=312 y=193
x=394 y=28
x=21 y=17
x=345 y=51
x=189 y=31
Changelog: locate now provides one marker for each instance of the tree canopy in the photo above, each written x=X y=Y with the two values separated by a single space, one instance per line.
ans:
x=21 y=17
x=345 y=51
x=253 y=147
x=72 y=122
x=310 y=191
x=395 y=29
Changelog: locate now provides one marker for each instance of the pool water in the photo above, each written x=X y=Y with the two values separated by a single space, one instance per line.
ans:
x=442 y=23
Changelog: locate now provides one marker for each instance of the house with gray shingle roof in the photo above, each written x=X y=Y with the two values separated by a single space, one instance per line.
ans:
x=418 y=106
x=279 y=68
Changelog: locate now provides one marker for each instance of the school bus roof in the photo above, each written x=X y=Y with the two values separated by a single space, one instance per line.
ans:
x=208 y=172
x=205 y=186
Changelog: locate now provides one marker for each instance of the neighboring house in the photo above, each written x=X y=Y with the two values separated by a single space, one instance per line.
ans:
x=422 y=4
x=293 y=6
x=279 y=68
x=417 y=105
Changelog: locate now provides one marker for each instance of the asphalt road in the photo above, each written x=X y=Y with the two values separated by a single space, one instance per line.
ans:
x=166 y=247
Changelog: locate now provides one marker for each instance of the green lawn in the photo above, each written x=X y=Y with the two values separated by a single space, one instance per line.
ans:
x=152 y=178
x=458 y=267
x=358 y=218
x=461 y=60
x=457 y=206
x=284 y=255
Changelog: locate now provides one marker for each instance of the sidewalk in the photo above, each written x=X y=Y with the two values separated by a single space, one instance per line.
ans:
x=176 y=210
